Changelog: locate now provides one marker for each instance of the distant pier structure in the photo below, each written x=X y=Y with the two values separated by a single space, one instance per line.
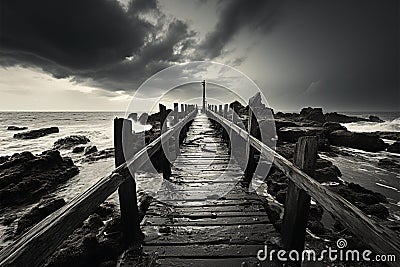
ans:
x=204 y=96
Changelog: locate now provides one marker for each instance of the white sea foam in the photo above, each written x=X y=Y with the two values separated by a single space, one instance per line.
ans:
x=365 y=126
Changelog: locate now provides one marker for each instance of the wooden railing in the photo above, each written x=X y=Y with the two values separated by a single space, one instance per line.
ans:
x=36 y=245
x=302 y=186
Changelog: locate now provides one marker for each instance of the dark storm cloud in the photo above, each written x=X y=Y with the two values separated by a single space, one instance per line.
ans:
x=90 y=39
x=236 y=15
x=72 y=33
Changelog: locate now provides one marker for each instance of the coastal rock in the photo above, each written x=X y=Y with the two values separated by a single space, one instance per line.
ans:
x=371 y=143
x=102 y=154
x=292 y=134
x=394 y=148
x=327 y=174
x=388 y=135
x=333 y=126
x=25 y=176
x=78 y=149
x=38 y=213
x=313 y=114
x=90 y=150
x=280 y=123
x=143 y=118
x=390 y=164
x=70 y=141
x=16 y=128
x=341 y=118
x=36 y=133
x=133 y=116
x=238 y=108
x=375 y=119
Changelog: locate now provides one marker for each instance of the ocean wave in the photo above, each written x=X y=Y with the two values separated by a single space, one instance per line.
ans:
x=366 y=126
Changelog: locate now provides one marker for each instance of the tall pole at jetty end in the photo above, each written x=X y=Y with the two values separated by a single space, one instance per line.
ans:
x=204 y=96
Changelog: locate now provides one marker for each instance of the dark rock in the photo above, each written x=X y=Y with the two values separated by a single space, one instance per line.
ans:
x=341 y=118
x=133 y=116
x=316 y=227
x=36 y=133
x=24 y=176
x=292 y=134
x=356 y=193
x=143 y=118
x=280 y=123
x=391 y=164
x=78 y=149
x=333 y=126
x=377 y=210
x=327 y=174
x=102 y=154
x=16 y=128
x=394 y=148
x=313 y=114
x=375 y=119
x=237 y=107
x=315 y=213
x=361 y=141
x=70 y=141
x=90 y=150
x=38 y=213
x=389 y=135
x=281 y=196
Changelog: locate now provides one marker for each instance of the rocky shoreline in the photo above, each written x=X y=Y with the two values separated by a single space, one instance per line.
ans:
x=331 y=135
x=26 y=178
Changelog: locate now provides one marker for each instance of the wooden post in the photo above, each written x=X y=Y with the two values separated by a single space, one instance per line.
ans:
x=251 y=151
x=297 y=202
x=127 y=190
x=163 y=122
x=182 y=110
x=176 y=136
x=225 y=111
x=220 y=110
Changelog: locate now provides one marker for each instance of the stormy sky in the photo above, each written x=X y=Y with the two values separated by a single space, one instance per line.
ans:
x=94 y=54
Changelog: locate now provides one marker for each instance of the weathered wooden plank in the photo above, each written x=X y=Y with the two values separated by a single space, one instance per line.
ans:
x=190 y=235
x=209 y=214
x=380 y=238
x=205 y=251
x=213 y=203
x=156 y=220
x=210 y=208
x=297 y=204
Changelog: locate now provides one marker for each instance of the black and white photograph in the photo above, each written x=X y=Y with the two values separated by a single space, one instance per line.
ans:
x=200 y=133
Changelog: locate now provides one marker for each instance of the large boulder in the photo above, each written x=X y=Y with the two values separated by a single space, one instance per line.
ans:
x=394 y=148
x=371 y=143
x=375 y=119
x=89 y=150
x=280 y=123
x=38 y=213
x=313 y=114
x=333 y=126
x=70 y=141
x=98 y=155
x=292 y=134
x=36 y=133
x=143 y=118
x=25 y=177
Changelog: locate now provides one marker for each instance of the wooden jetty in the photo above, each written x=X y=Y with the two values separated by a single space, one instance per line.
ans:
x=201 y=227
